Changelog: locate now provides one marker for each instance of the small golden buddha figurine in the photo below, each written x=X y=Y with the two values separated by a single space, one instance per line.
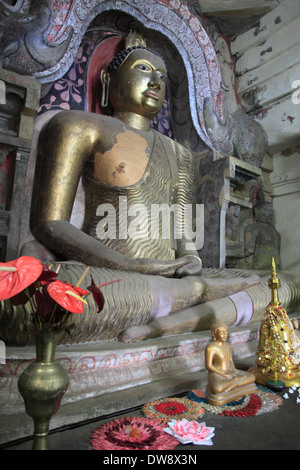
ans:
x=225 y=382
x=278 y=357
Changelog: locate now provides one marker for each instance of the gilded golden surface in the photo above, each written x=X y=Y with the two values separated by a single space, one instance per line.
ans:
x=134 y=38
x=225 y=382
x=120 y=158
x=118 y=154
x=278 y=356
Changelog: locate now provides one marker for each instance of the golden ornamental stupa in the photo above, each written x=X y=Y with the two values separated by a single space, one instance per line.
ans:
x=278 y=356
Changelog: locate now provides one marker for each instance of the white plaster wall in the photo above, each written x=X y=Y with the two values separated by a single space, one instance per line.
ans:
x=268 y=83
x=268 y=74
x=286 y=191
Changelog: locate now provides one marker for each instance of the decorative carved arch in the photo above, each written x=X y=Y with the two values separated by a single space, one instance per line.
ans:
x=173 y=19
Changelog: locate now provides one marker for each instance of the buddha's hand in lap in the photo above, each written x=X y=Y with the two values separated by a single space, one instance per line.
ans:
x=230 y=375
x=193 y=266
x=183 y=266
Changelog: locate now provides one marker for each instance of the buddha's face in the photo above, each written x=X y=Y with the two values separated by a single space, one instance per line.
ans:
x=221 y=334
x=138 y=85
x=265 y=214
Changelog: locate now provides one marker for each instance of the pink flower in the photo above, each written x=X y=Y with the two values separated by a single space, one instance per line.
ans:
x=132 y=433
x=190 y=432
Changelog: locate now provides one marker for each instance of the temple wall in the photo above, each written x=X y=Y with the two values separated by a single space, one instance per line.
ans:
x=286 y=191
x=56 y=55
x=268 y=74
x=268 y=81
x=201 y=74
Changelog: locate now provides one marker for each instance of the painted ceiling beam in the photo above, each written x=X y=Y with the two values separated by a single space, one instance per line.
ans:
x=236 y=7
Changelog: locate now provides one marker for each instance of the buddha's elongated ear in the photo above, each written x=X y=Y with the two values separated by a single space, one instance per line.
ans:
x=105 y=80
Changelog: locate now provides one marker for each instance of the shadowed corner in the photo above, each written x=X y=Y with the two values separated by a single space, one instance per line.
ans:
x=2 y=352
x=3 y=366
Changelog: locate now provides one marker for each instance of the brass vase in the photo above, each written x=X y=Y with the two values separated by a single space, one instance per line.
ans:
x=42 y=386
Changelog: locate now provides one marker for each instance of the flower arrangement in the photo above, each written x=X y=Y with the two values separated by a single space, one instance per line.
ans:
x=263 y=401
x=51 y=301
x=190 y=432
x=173 y=408
x=132 y=433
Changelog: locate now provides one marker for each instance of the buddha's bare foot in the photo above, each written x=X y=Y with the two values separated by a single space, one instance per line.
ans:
x=198 y=317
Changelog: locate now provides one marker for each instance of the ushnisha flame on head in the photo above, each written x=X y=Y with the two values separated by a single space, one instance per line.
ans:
x=133 y=41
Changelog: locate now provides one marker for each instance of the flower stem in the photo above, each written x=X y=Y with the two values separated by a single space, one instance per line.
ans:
x=52 y=314
x=109 y=282
x=33 y=309
x=82 y=277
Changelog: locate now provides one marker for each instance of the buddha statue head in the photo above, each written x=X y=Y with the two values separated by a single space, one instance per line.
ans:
x=264 y=212
x=219 y=331
x=134 y=82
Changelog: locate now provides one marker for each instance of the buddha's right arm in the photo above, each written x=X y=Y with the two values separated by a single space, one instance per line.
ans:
x=65 y=144
x=73 y=244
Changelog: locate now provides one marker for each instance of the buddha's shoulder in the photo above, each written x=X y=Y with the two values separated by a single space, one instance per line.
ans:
x=178 y=147
x=85 y=119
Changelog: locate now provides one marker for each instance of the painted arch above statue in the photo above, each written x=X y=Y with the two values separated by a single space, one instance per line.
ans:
x=70 y=19
x=43 y=37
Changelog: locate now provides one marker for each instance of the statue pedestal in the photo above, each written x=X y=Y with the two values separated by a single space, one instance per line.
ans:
x=289 y=379
x=108 y=376
x=228 y=397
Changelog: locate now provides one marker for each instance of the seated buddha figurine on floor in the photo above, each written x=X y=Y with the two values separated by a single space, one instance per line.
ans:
x=225 y=382
x=278 y=357
x=127 y=170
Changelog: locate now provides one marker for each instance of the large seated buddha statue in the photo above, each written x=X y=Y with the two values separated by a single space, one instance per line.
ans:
x=128 y=170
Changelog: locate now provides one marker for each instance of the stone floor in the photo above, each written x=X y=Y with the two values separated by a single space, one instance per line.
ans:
x=278 y=430
x=112 y=377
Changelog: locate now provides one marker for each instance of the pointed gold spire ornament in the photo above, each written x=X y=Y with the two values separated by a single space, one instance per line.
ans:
x=274 y=285
x=278 y=356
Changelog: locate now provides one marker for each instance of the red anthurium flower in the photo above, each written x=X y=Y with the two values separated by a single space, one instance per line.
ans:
x=67 y=296
x=18 y=274
x=79 y=291
x=97 y=294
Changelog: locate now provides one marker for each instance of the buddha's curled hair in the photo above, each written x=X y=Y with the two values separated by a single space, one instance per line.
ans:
x=216 y=325
x=121 y=56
